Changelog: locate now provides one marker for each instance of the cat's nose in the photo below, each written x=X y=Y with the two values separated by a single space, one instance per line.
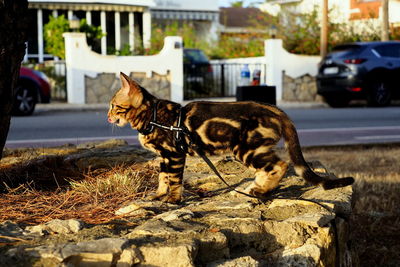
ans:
x=109 y=120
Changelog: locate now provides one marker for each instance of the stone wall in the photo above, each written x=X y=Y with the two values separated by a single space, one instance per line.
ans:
x=302 y=89
x=295 y=225
x=101 y=88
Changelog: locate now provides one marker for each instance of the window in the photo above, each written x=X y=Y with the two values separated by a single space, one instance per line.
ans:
x=389 y=50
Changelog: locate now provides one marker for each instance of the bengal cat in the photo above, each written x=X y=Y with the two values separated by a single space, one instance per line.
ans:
x=249 y=130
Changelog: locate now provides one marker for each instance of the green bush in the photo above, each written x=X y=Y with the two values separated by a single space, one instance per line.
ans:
x=54 y=29
x=301 y=33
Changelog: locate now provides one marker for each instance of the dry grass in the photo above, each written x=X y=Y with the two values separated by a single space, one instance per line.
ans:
x=375 y=232
x=93 y=199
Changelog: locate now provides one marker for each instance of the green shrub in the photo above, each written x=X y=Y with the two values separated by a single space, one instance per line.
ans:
x=54 y=29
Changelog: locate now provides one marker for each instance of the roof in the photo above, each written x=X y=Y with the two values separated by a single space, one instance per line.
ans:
x=187 y=5
x=147 y=3
x=240 y=17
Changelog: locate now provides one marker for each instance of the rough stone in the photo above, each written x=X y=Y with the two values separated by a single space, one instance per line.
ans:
x=303 y=88
x=178 y=254
x=183 y=214
x=56 y=226
x=101 y=88
x=238 y=262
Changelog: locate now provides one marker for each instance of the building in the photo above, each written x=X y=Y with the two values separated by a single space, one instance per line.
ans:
x=124 y=21
x=364 y=9
x=238 y=21
x=341 y=10
x=202 y=14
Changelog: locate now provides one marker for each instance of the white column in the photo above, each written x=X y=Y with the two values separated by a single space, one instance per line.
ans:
x=117 y=21
x=89 y=17
x=146 y=28
x=70 y=14
x=104 y=29
x=273 y=55
x=131 y=22
x=40 y=34
x=55 y=13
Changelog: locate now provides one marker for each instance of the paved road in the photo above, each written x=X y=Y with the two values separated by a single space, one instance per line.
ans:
x=316 y=126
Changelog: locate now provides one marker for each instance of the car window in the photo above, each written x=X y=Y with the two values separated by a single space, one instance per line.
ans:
x=388 y=50
x=346 y=48
x=195 y=56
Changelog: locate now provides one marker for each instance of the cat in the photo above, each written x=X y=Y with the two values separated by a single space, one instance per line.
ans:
x=249 y=130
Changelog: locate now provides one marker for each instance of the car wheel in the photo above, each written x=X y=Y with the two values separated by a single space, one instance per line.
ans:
x=379 y=94
x=337 y=101
x=24 y=101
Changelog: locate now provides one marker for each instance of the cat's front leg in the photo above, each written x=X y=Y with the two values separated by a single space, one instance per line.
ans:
x=170 y=185
x=162 y=189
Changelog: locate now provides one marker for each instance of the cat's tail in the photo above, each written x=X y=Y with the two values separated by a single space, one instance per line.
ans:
x=300 y=165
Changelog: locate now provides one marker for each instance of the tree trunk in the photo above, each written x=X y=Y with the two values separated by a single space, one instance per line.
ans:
x=13 y=35
x=385 y=20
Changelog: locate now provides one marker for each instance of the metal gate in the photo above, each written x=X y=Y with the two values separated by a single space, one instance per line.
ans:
x=216 y=79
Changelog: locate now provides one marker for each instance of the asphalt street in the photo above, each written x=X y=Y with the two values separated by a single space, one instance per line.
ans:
x=316 y=126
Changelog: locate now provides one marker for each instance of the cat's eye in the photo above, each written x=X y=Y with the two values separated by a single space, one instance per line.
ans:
x=122 y=107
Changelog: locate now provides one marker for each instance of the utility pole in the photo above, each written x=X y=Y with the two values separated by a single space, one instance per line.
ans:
x=385 y=20
x=324 y=29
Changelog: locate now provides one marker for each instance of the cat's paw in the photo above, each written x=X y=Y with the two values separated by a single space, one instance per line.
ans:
x=174 y=199
x=156 y=196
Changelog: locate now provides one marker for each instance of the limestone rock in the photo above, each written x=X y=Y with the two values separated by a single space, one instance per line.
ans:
x=178 y=254
x=182 y=214
x=238 y=262
x=102 y=252
x=132 y=210
x=56 y=227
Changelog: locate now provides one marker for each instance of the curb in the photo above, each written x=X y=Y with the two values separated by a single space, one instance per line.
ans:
x=104 y=107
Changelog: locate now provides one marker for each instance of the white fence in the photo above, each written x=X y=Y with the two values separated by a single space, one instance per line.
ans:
x=276 y=61
x=81 y=62
x=279 y=61
x=233 y=67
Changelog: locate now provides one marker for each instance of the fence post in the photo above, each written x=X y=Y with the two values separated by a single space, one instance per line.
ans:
x=222 y=79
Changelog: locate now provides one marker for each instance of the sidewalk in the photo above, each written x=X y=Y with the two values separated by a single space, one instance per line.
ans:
x=104 y=107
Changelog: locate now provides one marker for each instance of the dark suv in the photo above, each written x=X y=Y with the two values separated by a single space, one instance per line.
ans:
x=362 y=70
x=197 y=72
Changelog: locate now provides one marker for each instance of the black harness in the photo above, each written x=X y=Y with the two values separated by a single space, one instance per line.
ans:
x=179 y=130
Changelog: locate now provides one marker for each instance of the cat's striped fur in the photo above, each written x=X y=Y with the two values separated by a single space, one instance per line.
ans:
x=249 y=130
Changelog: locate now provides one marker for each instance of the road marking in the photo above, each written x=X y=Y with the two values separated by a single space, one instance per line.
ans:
x=372 y=137
x=348 y=129
x=70 y=140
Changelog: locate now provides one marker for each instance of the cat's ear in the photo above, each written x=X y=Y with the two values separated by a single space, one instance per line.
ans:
x=125 y=82
x=131 y=89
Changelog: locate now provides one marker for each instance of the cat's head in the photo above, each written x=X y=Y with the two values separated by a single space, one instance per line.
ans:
x=126 y=103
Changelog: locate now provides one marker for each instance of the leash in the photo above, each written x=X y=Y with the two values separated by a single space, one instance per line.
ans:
x=182 y=130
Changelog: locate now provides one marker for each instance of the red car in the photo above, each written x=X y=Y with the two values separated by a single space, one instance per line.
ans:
x=33 y=87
